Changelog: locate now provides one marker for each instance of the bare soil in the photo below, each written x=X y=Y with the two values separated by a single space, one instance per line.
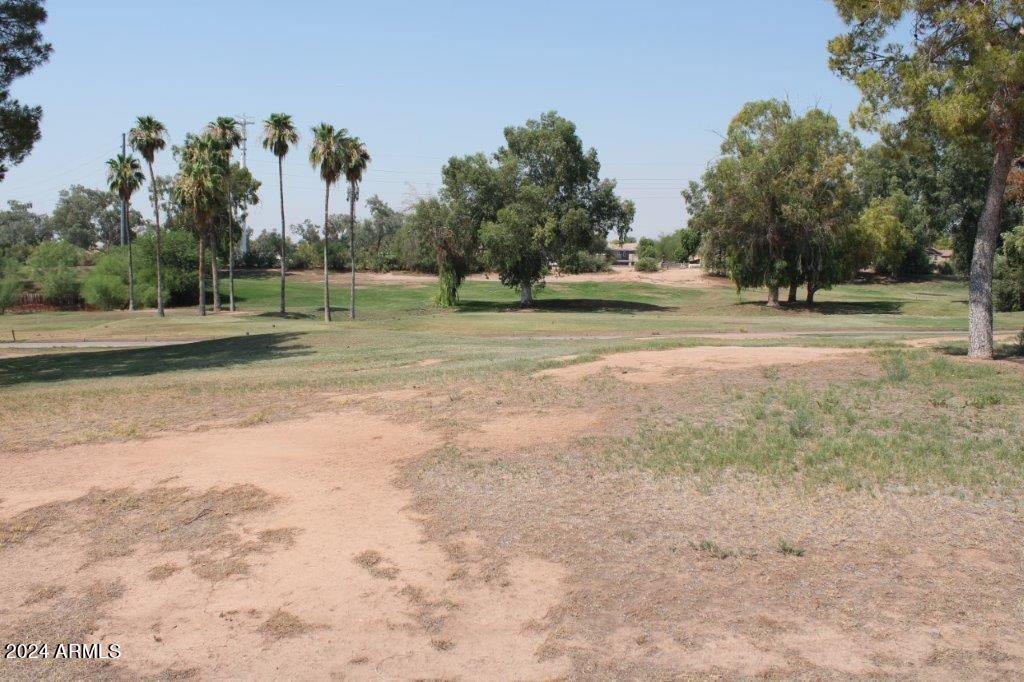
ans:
x=380 y=540
x=665 y=366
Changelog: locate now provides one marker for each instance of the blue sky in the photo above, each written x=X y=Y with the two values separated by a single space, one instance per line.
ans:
x=649 y=84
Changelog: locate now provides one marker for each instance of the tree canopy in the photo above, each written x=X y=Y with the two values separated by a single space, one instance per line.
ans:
x=778 y=207
x=954 y=69
x=22 y=49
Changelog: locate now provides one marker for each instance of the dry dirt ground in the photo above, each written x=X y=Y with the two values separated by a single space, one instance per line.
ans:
x=367 y=543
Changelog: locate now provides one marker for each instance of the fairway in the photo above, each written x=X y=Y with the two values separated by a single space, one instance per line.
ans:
x=632 y=479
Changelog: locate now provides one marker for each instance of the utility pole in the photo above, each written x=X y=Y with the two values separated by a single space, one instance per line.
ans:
x=244 y=122
x=124 y=206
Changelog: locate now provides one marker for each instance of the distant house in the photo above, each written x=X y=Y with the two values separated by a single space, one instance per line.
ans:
x=623 y=254
x=939 y=256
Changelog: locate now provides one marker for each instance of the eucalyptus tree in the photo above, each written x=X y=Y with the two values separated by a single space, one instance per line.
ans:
x=124 y=177
x=226 y=135
x=356 y=159
x=327 y=156
x=147 y=138
x=955 y=68
x=279 y=134
x=198 y=188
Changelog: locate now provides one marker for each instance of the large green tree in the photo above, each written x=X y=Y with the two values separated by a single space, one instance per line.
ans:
x=21 y=229
x=279 y=135
x=778 y=207
x=21 y=50
x=86 y=217
x=327 y=156
x=147 y=138
x=554 y=205
x=955 y=67
x=124 y=177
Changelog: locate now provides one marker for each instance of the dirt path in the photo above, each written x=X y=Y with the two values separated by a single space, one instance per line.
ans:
x=319 y=566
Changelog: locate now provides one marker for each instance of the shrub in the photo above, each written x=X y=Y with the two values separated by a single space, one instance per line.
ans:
x=584 y=261
x=106 y=291
x=647 y=248
x=10 y=285
x=178 y=260
x=60 y=286
x=1008 y=283
x=106 y=285
x=50 y=255
x=646 y=264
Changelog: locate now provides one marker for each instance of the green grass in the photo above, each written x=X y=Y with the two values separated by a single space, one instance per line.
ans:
x=925 y=422
x=488 y=308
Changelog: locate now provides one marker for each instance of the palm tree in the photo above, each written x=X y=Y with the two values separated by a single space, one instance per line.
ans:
x=224 y=132
x=147 y=138
x=124 y=176
x=198 y=187
x=278 y=135
x=326 y=155
x=356 y=159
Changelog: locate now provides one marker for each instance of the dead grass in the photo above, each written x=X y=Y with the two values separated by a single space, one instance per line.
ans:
x=163 y=571
x=65 y=616
x=376 y=565
x=114 y=523
x=283 y=625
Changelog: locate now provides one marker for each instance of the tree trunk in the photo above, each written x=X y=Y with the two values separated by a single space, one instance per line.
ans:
x=159 y=276
x=131 y=264
x=793 y=286
x=980 y=297
x=202 y=275
x=811 y=289
x=327 y=236
x=231 y=271
x=280 y=185
x=231 y=252
x=214 y=275
x=773 y=296
x=526 y=295
x=352 y=249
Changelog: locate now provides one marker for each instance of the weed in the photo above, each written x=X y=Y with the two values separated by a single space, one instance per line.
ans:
x=895 y=367
x=789 y=550
x=711 y=548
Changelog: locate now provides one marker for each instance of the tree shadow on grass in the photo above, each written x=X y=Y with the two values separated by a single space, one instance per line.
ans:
x=317 y=315
x=839 y=307
x=566 y=305
x=219 y=353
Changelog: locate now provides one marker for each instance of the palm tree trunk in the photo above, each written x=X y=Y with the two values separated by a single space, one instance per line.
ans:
x=231 y=253
x=352 y=249
x=327 y=236
x=214 y=275
x=280 y=186
x=159 y=276
x=202 y=275
x=131 y=265
x=231 y=272
x=980 y=288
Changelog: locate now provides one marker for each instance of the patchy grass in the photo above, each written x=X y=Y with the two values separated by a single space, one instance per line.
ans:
x=927 y=422
x=283 y=625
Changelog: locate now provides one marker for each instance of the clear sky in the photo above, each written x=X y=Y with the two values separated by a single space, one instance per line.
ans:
x=650 y=84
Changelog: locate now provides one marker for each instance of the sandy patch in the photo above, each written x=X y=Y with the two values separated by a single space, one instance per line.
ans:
x=658 y=366
x=517 y=431
x=269 y=585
